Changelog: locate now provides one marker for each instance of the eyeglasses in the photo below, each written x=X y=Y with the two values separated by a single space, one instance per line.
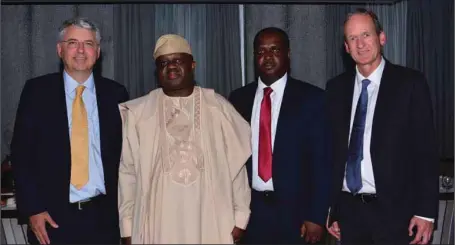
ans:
x=72 y=44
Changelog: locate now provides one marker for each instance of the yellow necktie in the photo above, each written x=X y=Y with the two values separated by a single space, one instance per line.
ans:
x=79 y=141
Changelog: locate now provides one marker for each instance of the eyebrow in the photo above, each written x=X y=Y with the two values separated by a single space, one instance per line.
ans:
x=74 y=39
x=268 y=45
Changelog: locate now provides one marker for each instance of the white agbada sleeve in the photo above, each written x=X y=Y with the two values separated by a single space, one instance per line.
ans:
x=127 y=173
x=237 y=133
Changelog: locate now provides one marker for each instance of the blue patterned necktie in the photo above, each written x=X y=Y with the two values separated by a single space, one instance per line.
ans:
x=355 y=152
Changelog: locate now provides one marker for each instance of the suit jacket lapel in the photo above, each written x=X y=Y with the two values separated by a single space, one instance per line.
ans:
x=384 y=103
x=285 y=117
x=249 y=102
x=347 y=104
x=62 y=121
x=246 y=113
x=286 y=109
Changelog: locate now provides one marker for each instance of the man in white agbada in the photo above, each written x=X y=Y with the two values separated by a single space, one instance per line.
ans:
x=182 y=175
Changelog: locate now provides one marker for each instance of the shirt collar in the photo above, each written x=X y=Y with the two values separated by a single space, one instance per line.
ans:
x=71 y=84
x=375 y=76
x=277 y=86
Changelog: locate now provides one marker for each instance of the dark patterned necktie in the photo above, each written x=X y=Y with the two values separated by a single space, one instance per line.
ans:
x=355 y=152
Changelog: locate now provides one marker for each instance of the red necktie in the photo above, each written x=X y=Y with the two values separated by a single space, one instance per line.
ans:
x=265 y=137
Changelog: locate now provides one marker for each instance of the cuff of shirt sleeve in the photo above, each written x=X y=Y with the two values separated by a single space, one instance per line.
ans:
x=424 y=218
x=241 y=219
x=126 y=228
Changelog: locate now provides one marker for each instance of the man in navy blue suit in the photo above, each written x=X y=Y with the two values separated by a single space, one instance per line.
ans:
x=67 y=144
x=385 y=162
x=289 y=162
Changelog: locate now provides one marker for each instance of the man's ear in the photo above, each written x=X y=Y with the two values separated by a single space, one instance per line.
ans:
x=382 y=38
x=59 y=50
x=346 y=47
x=98 y=52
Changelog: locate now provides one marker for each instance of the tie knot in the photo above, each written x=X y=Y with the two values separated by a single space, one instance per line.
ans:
x=80 y=90
x=365 y=82
x=267 y=91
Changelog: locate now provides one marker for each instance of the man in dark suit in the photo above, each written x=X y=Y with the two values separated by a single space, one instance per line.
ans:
x=289 y=161
x=385 y=183
x=67 y=144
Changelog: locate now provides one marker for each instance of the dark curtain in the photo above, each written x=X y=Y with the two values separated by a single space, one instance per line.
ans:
x=211 y=29
x=430 y=43
x=337 y=60
x=29 y=39
x=129 y=33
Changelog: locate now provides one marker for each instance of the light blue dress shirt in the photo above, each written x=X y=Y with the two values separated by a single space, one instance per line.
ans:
x=95 y=185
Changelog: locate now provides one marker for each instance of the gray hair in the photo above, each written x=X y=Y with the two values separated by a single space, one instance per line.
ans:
x=81 y=23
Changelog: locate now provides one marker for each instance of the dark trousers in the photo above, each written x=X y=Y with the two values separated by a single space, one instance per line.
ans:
x=362 y=221
x=267 y=223
x=90 y=225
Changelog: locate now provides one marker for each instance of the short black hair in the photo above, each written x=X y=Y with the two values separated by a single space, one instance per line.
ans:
x=283 y=35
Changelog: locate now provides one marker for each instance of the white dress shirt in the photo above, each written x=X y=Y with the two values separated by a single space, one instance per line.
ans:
x=366 y=166
x=276 y=97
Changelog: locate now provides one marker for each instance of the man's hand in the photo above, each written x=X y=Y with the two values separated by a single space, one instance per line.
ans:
x=126 y=240
x=424 y=230
x=311 y=231
x=38 y=226
x=334 y=229
x=237 y=234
